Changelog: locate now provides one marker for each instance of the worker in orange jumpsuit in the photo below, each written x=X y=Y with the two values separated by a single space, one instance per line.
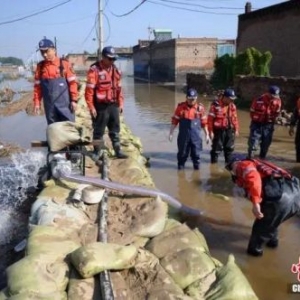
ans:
x=223 y=125
x=191 y=117
x=104 y=97
x=295 y=121
x=55 y=82
x=275 y=197
x=263 y=113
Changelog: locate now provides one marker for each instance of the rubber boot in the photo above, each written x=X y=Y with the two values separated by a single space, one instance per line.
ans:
x=119 y=153
x=180 y=167
x=255 y=247
x=272 y=243
x=213 y=158
x=297 y=156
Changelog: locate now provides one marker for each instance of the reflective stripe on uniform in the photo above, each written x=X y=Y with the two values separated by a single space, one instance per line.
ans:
x=90 y=85
x=37 y=82
x=72 y=78
x=211 y=114
x=176 y=117
x=248 y=170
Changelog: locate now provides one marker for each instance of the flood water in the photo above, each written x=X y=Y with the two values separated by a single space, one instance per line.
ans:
x=148 y=109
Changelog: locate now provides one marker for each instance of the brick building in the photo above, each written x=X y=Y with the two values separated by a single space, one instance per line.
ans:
x=275 y=29
x=169 y=61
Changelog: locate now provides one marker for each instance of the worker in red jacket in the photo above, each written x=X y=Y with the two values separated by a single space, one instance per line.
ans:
x=263 y=113
x=55 y=82
x=191 y=117
x=275 y=197
x=223 y=125
x=104 y=97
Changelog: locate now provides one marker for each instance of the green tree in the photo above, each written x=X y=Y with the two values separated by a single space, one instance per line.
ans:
x=250 y=62
x=11 y=60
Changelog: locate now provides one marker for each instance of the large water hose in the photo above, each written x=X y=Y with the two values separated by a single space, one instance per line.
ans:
x=133 y=190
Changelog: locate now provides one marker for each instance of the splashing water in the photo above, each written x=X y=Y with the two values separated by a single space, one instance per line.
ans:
x=15 y=178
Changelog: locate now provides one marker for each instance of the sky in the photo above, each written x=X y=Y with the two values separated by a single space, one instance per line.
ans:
x=74 y=23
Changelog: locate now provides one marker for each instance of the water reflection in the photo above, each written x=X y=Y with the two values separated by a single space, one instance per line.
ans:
x=148 y=111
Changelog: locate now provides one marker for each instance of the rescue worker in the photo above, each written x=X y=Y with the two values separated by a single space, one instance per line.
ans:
x=104 y=97
x=223 y=125
x=295 y=121
x=263 y=113
x=55 y=82
x=190 y=116
x=275 y=197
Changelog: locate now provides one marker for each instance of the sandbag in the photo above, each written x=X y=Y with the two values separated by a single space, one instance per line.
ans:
x=39 y=274
x=94 y=258
x=198 y=288
x=51 y=213
x=175 y=239
x=63 y=134
x=83 y=288
x=4 y=294
x=33 y=296
x=230 y=284
x=150 y=218
x=50 y=240
x=187 y=266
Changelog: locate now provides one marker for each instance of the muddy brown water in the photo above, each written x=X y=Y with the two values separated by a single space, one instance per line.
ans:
x=148 y=109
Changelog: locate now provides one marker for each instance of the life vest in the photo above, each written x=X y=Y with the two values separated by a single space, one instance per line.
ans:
x=264 y=109
x=60 y=72
x=267 y=169
x=107 y=88
x=223 y=117
x=185 y=114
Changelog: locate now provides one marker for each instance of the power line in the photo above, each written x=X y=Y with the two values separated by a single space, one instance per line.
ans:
x=34 y=14
x=131 y=11
x=198 y=5
x=189 y=9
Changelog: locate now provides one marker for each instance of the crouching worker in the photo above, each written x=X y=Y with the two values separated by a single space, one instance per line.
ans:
x=275 y=197
x=191 y=117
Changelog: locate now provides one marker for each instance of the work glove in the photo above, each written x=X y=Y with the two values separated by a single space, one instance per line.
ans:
x=170 y=137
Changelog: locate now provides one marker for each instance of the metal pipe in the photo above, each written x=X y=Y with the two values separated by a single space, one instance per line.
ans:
x=104 y=276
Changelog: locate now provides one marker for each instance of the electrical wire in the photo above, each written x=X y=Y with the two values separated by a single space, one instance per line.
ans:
x=198 y=5
x=189 y=9
x=34 y=14
x=131 y=11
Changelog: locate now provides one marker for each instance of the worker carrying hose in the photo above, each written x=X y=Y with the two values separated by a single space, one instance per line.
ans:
x=191 y=117
x=275 y=197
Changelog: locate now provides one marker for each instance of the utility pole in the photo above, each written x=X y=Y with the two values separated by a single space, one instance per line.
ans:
x=100 y=33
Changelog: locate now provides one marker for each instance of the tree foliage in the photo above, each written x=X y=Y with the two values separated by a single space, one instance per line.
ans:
x=250 y=62
x=11 y=60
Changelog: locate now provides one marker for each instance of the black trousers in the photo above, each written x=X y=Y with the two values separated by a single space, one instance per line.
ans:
x=223 y=141
x=108 y=115
x=276 y=211
x=297 y=142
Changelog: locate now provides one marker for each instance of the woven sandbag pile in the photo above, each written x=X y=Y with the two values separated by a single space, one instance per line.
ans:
x=149 y=254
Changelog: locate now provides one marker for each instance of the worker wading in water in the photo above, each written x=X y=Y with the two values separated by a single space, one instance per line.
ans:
x=223 y=125
x=190 y=116
x=275 y=197
x=263 y=113
x=295 y=121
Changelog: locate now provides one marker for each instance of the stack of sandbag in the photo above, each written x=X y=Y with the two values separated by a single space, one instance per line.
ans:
x=184 y=255
x=63 y=134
